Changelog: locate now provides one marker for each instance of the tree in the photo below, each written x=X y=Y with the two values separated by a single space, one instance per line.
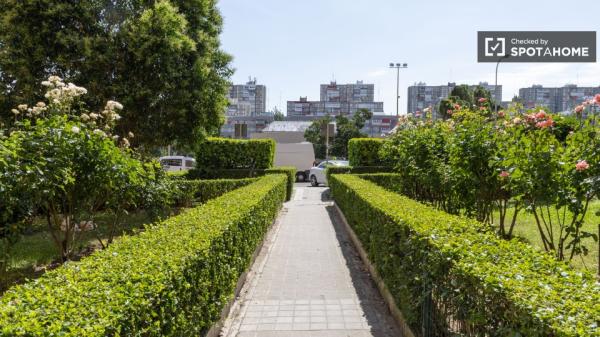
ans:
x=462 y=97
x=162 y=59
x=346 y=129
x=277 y=114
x=314 y=135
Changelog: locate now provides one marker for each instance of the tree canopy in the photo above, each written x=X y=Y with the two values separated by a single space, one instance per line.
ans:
x=346 y=129
x=161 y=59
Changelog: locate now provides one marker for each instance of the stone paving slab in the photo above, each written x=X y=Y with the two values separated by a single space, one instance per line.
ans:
x=308 y=279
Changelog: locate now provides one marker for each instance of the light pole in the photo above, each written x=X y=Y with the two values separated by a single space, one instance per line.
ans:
x=496 y=83
x=398 y=66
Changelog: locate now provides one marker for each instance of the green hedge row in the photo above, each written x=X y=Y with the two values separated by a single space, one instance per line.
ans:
x=454 y=269
x=185 y=192
x=365 y=152
x=356 y=170
x=225 y=153
x=173 y=279
x=289 y=171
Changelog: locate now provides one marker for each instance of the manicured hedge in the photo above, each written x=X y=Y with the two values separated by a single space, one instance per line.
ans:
x=245 y=173
x=356 y=170
x=201 y=173
x=290 y=172
x=225 y=153
x=185 y=192
x=365 y=152
x=462 y=272
x=173 y=279
x=177 y=174
x=390 y=181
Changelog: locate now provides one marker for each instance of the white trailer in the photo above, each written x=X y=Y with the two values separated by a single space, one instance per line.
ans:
x=299 y=155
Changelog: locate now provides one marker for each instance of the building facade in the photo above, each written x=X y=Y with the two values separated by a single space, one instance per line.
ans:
x=248 y=99
x=245 y=126
x=557 y=99
x=421 y=95
x=337 y=99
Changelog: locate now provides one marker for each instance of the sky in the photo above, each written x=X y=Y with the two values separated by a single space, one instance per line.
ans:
x=294 y=46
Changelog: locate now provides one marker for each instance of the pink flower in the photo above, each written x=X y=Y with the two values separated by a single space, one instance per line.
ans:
x=504 y=174
x=530 y=118
x=540 y=114
x=545 y=124
x=501 y=113
x=449 y=112
x=597 y=98
x=582 y=165
x=579 y=109
x=418 y=114
x=482 y=100
x=482 y=108
x=456 y=106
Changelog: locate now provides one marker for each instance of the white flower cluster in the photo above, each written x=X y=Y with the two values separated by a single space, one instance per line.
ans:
x=59 y=92
x=33 y=111
x=109 y=112
x=61 y=97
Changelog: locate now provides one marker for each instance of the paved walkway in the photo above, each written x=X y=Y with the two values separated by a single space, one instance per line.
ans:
x=308 y=279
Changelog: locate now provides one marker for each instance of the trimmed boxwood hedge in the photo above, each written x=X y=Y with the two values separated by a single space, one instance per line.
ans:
x=225 y=153
x=185 y=192
x=365 y=152
x=356 y=170
x=462 y=272
x=290 y=171
x=173 y=279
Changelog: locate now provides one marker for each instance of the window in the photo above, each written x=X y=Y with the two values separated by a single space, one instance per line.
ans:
x=170 y=162
x=189 y=163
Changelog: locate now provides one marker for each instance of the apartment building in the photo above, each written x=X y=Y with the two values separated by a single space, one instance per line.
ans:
x=337 y=99
x=421 y=95
x=557 y=99
x=248 y=99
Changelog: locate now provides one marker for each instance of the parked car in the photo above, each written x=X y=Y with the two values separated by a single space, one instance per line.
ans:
x=177 y=163
x=317 y=173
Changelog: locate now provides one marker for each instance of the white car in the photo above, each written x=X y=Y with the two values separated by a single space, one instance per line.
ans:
x=177 y=163
x=317 y=173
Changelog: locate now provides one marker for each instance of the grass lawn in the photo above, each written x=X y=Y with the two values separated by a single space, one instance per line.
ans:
x=526 y=229
x=36 y=251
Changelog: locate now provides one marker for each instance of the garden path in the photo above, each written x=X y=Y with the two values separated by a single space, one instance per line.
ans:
x=308 y=280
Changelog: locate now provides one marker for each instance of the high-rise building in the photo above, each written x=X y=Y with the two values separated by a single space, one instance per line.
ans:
x=248 y=99
x=421 y=95
x=337 y=99
x=557 y=99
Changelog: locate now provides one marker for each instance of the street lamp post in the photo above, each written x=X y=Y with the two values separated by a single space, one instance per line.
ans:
x=496 y=83
x=398 y=66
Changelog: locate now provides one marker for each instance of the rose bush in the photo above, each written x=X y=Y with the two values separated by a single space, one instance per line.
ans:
x=70 y=165
x=478 y=163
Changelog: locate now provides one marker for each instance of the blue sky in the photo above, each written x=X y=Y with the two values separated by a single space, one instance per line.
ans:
x=293 y=46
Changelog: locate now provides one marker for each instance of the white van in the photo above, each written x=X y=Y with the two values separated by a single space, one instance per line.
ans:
x=177 y=163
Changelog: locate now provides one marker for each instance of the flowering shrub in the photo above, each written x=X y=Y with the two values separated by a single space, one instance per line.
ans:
x=70 y=165
x=476 y=163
